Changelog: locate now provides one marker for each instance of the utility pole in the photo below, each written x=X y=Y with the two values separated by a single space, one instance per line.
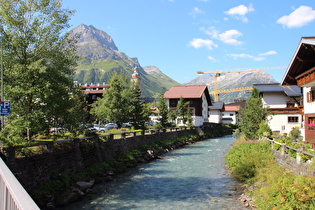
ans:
x=2 y=83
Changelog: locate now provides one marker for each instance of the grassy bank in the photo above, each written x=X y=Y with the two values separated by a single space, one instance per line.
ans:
x=269 y=185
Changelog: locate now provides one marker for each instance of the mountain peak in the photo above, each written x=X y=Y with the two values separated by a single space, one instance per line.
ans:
x=88 y=34
x=152 y=70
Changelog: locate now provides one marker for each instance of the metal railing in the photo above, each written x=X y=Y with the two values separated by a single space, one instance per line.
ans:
x=12 y=195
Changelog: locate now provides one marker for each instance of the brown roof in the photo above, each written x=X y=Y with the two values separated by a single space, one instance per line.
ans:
x=234 y=107
x=191 y=91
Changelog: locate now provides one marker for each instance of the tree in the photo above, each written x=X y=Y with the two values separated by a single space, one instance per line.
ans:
x=122 y=103
x=251 y=115
x=163 y=112
x=138 y=111
x=39 y=62
x=183 y=111
x=114 y=104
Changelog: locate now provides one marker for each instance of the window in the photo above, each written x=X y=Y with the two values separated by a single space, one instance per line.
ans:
x=231 y=114
x=290 y=105
x=311 y=120
x=311 y=96
x=293 y=119
x=173 y=102
x=311 y=123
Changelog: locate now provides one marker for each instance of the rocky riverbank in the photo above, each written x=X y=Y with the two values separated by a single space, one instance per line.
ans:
x=80 y=189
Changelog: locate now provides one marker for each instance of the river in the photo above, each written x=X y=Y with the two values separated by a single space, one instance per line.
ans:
x=189 y=178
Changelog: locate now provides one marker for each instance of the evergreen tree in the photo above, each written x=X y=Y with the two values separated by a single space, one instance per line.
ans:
x=183 y=111
x=39 y=63
x=252 y=115
x=163 y=112
x=138 y=110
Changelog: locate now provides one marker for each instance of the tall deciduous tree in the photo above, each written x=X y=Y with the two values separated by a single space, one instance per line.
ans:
x=252 y=115
x=39 y=63
x=122 y=103
x=113 y=105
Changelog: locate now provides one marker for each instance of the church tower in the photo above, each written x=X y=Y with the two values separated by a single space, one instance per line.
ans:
x=136 y=77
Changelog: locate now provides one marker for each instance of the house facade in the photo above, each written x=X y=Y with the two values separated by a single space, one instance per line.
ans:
x=215 y=112
x=94 y=91
x=301 y=72
x=229 y=115
x=282 y=102
x=199 y=101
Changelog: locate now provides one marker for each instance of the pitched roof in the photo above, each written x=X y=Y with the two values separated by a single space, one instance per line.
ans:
x=217 y=106
x=303 y=60
x=234 y=107
x=190 y=91
x=289 y=90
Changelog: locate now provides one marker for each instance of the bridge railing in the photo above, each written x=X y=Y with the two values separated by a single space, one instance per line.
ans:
x=12 y=195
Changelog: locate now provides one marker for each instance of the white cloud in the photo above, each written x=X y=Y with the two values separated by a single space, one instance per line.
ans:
x=212 y=59
x=196 y=11
x=228 y=37
x=268 y=53
x=298 y=18
x=255 y=58
x=240 y=12
x=198 y=43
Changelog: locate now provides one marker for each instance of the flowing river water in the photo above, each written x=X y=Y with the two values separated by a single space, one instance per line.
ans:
x=193 y=177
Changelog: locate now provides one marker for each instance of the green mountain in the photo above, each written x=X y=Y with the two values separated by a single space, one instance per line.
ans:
x=100 y=58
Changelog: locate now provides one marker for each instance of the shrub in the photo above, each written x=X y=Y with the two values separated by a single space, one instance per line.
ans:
x=295 y=133
x=244 y=159
x=264 y=130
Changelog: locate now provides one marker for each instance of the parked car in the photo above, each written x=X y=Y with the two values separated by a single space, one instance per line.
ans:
x=126 y=125
x=57 y=130
x=98 y=128
x=101 y=129
x=111 y=125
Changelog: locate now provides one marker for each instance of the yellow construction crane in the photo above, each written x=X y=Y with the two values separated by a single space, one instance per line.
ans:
x=216 y=74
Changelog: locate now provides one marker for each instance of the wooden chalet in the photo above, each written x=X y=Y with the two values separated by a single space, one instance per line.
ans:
x=301 y=72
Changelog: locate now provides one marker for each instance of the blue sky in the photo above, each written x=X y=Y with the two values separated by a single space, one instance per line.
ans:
x=181 y=37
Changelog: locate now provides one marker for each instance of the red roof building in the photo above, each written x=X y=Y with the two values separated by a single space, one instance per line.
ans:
x=197 y=95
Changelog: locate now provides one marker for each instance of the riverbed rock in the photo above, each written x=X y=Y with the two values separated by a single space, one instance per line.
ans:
x=110 y=173
x=85 y=185
x=149 y=155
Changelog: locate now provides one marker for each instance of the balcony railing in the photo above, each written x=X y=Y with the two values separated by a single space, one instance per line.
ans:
x=12 y=195
x=306 y=78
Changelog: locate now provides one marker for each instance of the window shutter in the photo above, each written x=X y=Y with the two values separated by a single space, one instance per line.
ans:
x=308 y=96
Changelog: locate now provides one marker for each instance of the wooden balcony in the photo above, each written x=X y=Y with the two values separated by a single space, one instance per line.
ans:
x=305 y=79
x=294 y=110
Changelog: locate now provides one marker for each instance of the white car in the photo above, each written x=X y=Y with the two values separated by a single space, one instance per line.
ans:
x=111 y=125
x=98 y=128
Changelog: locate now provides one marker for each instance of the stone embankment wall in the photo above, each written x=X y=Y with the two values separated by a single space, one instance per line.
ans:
x=75 y=155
